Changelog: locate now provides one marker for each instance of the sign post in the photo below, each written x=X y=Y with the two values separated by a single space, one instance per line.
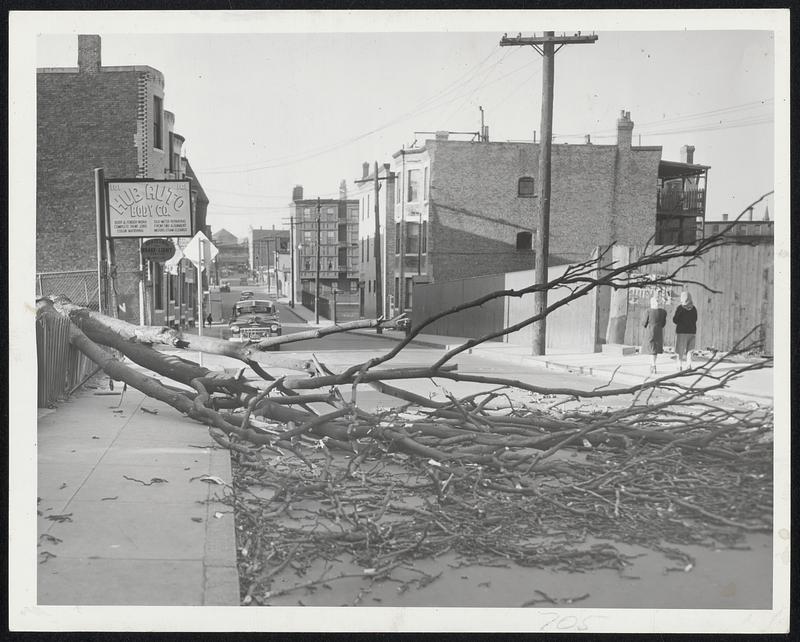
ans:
x=201 y=252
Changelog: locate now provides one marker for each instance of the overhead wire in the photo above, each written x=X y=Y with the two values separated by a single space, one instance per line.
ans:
x=423 y=105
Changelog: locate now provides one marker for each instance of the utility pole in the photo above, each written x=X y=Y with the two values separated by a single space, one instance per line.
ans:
x=377 y=246
x=401 y=295
x=546 y=46
x=316 y=280
x=291 y=239
x=100 y=201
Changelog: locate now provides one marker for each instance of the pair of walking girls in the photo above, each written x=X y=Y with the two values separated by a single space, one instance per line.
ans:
x=685 y=320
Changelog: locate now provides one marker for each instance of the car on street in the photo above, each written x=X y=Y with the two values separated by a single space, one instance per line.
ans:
x=246 y=294
x=225 y=287
x=253 y=320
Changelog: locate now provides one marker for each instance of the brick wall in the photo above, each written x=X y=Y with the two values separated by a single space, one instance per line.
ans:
x=93 y=117
x=84 y=121
x=600 y=194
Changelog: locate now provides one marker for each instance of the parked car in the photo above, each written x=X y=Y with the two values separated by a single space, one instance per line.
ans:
x=225 y=287
x=253 y=320
x=246 y=294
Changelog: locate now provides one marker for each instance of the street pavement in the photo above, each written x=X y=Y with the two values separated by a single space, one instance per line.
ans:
x=125 y=516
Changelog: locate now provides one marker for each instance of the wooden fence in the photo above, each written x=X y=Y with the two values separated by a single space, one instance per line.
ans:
x=60 y=366
x=742 y=274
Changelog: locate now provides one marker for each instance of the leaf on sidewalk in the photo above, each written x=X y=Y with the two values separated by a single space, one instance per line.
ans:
x=210 y=479
x=149 y=412
x=50 y=538
x=153 y=480
x=66 y=517
x=103 y=499
x=44 y=556
x=197 y=519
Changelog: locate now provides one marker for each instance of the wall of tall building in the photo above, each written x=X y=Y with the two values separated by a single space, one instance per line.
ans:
x=599 y=194
x=88 y=117
x=338 y=242
x=368 y=277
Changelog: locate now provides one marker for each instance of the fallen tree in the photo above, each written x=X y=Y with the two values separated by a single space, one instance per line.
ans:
x=515 y=458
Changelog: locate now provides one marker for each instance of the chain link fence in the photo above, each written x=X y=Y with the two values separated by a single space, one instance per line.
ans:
x=80 y=286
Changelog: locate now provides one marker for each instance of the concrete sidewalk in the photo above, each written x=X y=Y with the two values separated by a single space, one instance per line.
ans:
x=633 y=369
x=755 y=385
x=111 y=532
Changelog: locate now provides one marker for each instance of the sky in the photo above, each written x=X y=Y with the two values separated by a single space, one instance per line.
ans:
x=262 y=112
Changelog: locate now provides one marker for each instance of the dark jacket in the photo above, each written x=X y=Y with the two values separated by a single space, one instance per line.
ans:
x=685 y=320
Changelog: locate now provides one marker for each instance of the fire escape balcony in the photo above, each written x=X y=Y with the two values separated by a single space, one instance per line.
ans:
x=683 y=202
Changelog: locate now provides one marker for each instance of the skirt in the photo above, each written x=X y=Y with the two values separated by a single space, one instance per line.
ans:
x=683 y=344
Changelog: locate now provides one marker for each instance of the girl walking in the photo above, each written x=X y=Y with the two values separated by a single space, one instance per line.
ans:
x=685 y=320
x=654 y=321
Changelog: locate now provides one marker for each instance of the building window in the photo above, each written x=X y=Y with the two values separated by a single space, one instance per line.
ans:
x=525 y=187
x=158 y=123
x=412 y=238
x=425 y=185
x=397 y=189
x=413 y=185
x=397 y=238
x=369 y=287
x=306 y=236
x=158 y=286
x=307 y=264
x=524 y=240
x=408 y=301
x=424 y=237
x=331 y=237
x=367 y=252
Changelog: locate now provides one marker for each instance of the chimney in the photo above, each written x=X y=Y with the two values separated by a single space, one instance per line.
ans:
x=364 y=169
x=297 y=193
x=624 y=130
x=88 y=54
x=766 y=213
x=687 y=154
x=750 y=214
x=588 y=139
x=486 y=133
x=442 y=135
x=343 y=190
x=724 y=217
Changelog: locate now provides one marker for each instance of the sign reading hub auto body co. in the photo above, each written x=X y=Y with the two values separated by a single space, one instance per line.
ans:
x=151 y=208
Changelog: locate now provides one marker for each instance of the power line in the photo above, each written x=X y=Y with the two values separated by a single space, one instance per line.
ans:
x=334 y=146
x=434 y=98
x=600 y=133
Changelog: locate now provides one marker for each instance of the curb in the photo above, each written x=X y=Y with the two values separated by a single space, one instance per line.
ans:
x=415 y=342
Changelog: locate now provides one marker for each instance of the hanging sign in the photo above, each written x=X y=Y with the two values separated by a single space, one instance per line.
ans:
x=159 y=250
x=138 y=208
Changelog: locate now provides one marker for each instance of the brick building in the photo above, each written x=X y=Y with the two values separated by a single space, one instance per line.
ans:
x=269 y=258
x=338 y=247
x=470 y=208
x=365 y=195
x=93 y=116
x=233 y=258
x=745 y=230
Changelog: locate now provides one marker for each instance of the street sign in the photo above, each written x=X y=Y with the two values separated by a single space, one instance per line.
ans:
x=159 y=250
x=137 y=208
x=194 y=250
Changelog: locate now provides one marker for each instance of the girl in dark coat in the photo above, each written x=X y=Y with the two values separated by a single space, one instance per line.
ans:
x=685 y=319
x=654 y=321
